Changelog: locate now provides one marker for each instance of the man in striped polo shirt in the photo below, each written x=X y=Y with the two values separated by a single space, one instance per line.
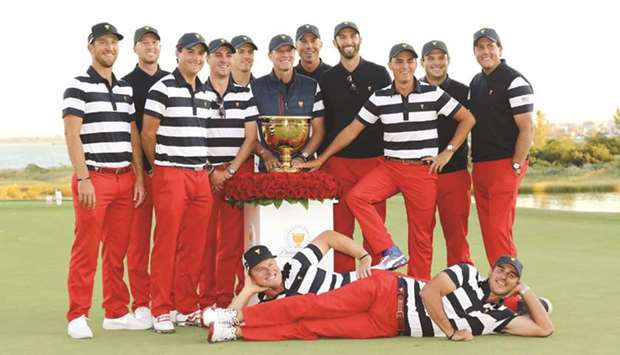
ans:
x=231 y=137
x=454 y=181
x=103 y=143
x=409 y=111
x=146 y=73
x=502 y=101
x=457 y=304
x=284 y=92
x=243 y=60
x=174 y=139
x=299 y=276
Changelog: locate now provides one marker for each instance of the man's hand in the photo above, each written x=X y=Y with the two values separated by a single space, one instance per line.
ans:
x=297 y=162
x=86 y=193
x=139 y=193
x=438 y=162
x=252 y=287
x=313 y=165
x=363 y=270
x=218 y=177
x=462 y=335
x=271 y=162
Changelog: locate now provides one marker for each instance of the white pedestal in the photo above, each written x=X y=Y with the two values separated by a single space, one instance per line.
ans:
x=289 y=228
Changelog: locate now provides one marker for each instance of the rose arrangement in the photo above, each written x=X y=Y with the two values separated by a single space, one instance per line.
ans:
x=274 y=188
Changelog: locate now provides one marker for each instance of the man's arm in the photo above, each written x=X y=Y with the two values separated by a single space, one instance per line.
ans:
x=466 y=122
x=249 y=289
x=524 y=139
x=343 y=139
x=138 y=167
x=218 y=177
x=537 y=323
x=150 y=124
x=333 y=240
x=86 y=190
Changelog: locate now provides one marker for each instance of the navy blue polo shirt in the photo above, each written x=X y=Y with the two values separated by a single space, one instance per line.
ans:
x=317 y=73
x=344 y=97
x=494 y=100
x=447 y=128
x=299 y=97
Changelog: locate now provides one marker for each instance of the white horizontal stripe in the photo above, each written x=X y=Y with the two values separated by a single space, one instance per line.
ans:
x=238 y=96
x=251 y=111
x=409 y=136
x=186 y=111
x=225 y=132
x=121 y=164
x=518 y=82
x=430 y=96
x=71 y=102
x=192 y=151
x=171 y=131
x=318 y=106
x=231 y=113
x=222 y=151
x=167 y=163
x=521 y=100
x=398 y=117
x=103 y=127
x=108 y=147
x=155 y=106
x=106 y=106
x=411 y=154
x=102 y=88
x=386 y=100
x=367 y=116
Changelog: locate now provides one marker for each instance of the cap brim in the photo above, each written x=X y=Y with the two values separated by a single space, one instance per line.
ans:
x=344 y=27
x=244 y=43
x=118 y=35
x=282 y=45
x=227 y=45
x=415 y=55
x=154 y=33
x=192 y=44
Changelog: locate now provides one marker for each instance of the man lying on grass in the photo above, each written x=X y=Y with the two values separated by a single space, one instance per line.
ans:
x=457 y=304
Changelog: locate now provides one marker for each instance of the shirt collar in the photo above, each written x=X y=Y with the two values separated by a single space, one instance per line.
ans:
x=139 y=70
x=502 y=64
x=305 y=72
x=275 y=79
x=445 y=85
x=229 y=88
x=181 y=80
x=93 y=74
x=416 y=88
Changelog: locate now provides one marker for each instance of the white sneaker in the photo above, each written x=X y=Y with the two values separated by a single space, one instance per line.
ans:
x=219 y=332
x=143 y=314
x=78 y=328
x=163 y=324
x=126 y=322
x=193 y=319
x=219 y=315
x=173 y=316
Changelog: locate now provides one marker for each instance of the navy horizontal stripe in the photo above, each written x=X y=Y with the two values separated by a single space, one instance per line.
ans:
x=519 y=91
x=409 y=145
x=409 y=126
x=224 y=142
x=109 y=157
x=226 y=123
x=107 y=116
x=74 y=93
x=105 y=97
x=181 y=160
x=181 y=141
x=221 y=159
x=184 y=122
x=523 y=109
x=103 y=137
x=72 y=111
x=158 y=96
x=176 y=101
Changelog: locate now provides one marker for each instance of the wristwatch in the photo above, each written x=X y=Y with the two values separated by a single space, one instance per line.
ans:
x=450 y=148
x=305 y=156
x=516 y=166
x=231 y=170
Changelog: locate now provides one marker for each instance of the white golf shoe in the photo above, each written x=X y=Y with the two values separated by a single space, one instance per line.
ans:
x=219 y=332
x=78 y=328
x=219 y=315
x=126 y=322
x=143 y=314
x=163 y=324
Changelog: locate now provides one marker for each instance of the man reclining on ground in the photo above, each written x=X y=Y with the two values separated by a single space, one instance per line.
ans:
x=457 y=304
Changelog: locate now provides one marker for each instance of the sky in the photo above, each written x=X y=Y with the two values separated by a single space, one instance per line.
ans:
x=569 y=51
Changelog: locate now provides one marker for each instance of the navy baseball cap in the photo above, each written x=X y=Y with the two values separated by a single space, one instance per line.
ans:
x=402 y=47
x=218 y=43
x=279 y=41
x=191 y=39
x=137 y=36
x=307 y=28
x=255 y=255
x=488 y=33
x=240 y=40
x=346 y=24
x=102 y=29
x=434 y=44
x=510 y=260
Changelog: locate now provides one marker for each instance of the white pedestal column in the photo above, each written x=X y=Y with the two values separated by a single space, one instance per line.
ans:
x=287 y=229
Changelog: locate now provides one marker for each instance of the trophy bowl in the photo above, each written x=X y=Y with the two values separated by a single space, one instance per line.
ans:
x=286 y=135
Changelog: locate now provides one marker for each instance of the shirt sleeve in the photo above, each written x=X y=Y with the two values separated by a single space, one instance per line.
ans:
x=156 y=100
x=318 y=109
x=520 y=96
x=446 y=104
x=74 y=100
x=369 y=113
x=462 y=274
x=251 y=110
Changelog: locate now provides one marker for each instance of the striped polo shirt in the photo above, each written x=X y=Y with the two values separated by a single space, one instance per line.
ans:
x=226 y=127
x=106 y=112
x=301 y=275
x=183 y=114
x=409 y=123
x=466 y=307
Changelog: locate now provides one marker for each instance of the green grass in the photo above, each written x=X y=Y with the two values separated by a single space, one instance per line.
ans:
x=571 y=258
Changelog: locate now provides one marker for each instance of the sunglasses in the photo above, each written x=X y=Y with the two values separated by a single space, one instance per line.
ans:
x=220 y=107
x=352 y=86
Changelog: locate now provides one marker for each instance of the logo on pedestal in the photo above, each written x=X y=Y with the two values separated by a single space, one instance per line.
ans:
x=297 y=238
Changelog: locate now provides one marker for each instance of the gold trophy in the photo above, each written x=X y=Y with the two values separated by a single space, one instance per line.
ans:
x=287 y=135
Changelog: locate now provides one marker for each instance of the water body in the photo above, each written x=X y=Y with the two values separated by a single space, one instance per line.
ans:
x=581 y=202
x=19 y=155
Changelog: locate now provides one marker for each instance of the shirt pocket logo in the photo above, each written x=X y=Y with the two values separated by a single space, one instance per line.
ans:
x=300 y=103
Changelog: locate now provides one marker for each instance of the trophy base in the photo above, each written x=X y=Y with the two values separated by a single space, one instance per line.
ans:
x=286 y=170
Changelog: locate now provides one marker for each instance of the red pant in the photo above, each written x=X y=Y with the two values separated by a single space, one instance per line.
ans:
x=183 y=203
x=107 y=223
x=348 y=172
x=362 y=309
x=419 y=190
x=496 y=187
x=140 y=248
x=453 y=203
x=222 y=265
